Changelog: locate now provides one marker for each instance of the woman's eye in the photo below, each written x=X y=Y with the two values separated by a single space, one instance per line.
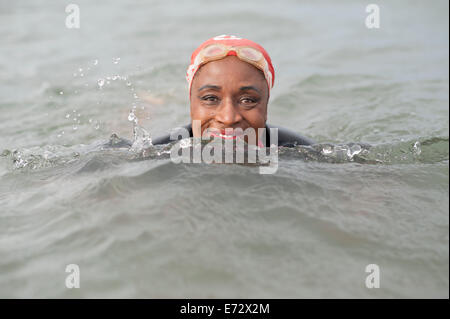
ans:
x=248 y=101
x=210 y=98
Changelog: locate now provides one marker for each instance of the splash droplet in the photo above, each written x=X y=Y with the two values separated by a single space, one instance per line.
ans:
x=100 y=83
x=353 y=150
x=132 y=117
x=416 y=148
x=327 y=150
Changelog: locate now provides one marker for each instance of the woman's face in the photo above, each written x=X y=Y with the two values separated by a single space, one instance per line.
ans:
x=229 y=93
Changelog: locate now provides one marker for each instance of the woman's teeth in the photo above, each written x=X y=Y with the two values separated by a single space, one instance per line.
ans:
x=225 y=136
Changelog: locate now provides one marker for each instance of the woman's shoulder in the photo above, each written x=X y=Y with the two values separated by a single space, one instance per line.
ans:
x=289 y=138
x=286 y=137
x=177 y=132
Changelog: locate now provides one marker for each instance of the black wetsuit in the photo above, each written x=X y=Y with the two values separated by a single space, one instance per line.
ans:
x=286 y=137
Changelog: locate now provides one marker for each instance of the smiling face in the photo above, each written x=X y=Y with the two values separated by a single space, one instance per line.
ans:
x=229 y=93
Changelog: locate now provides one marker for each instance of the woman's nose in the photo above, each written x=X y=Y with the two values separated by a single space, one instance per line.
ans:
x=228 y=114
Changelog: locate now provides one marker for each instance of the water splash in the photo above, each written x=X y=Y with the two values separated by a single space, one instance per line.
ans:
x=422 y=150
x=345 y=152
x=416 y=148
x=141 y=138
x=42 y=157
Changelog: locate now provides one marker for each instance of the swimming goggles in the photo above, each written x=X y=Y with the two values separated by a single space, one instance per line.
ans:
x=217 y=51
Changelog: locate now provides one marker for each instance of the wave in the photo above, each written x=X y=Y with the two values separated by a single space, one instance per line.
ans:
x=421 y=150
x=95 y=156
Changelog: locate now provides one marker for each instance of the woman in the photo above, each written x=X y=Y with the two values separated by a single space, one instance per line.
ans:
x=229 y=88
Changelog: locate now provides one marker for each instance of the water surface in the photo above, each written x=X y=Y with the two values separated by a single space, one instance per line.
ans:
x=374 y=190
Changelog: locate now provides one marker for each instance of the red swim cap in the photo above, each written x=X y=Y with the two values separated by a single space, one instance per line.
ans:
x=230 y=40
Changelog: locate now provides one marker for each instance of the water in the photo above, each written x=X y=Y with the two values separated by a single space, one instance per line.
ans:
x=374 y=190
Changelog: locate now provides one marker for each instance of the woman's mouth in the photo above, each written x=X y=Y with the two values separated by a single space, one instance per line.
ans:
x=226 y=134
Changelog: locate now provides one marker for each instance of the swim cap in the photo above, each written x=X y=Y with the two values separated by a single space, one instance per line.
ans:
x=230 y=40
